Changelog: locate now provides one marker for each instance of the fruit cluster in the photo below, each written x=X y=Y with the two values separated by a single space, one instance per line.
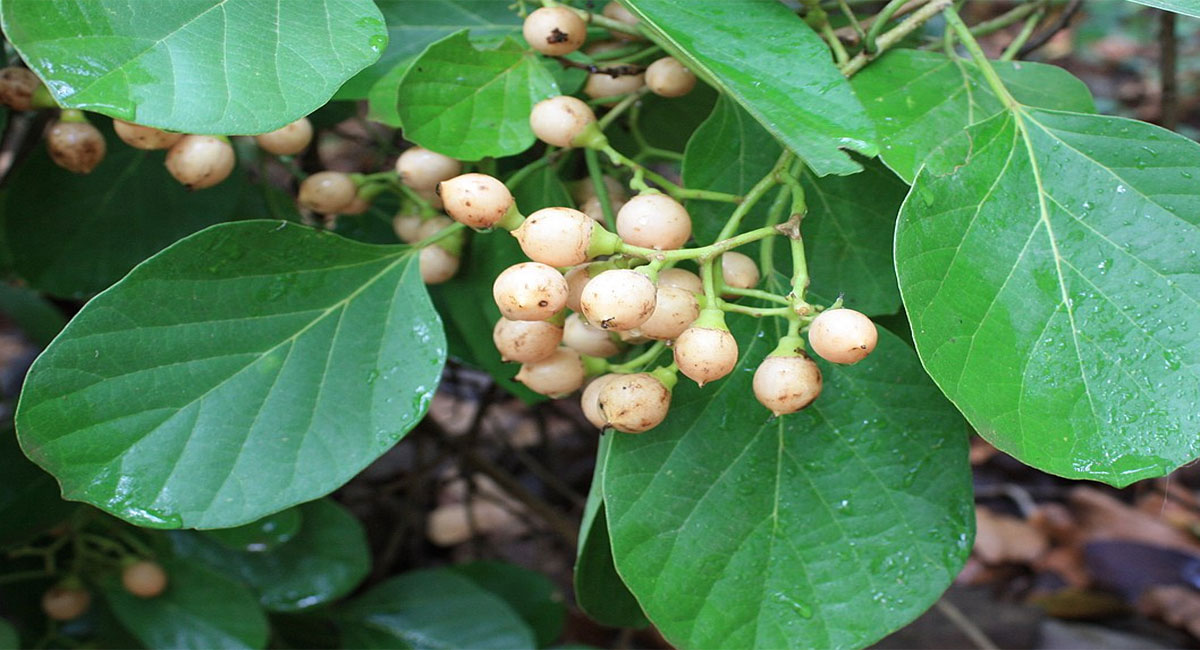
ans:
x=69 y=599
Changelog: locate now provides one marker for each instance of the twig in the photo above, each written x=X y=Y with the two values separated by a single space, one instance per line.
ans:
x=965 y=625
x=1168 y=66
x=895 y=35
x=1061 y=23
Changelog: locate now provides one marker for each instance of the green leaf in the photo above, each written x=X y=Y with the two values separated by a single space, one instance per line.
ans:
x=258 y=536
x=600 y=592
x=1185 y=7
x=413 y=24
x=8 y=636
x=918 y=99
x=533 y=596
x=848 y=238
x=1048 y=261
x=200 y=609
x=38 y=318
x=773 y=64
x=197 y=66
x=431 y=609
x=729 y=152
x=326 y=560
x=29 y=497
x=73 y=235
x=828 y=528
x=245 y=369
x=471 y=104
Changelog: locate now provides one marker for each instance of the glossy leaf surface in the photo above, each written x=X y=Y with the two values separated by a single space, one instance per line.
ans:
x=196 y=66
x=1185 y=7
x=533 y=596
x=29 y=497
x=918 y=99
x=431 y=609
x=468 y=103
x=245 y=369
x=776 y=67
x=325 y=561
x=262 y=535
x=828 y=528
x=1048 y=265
x=200 y=610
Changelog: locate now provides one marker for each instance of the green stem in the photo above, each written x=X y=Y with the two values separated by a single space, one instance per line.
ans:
x=755 y=311
x=752 y=197
x=1010 y=52
x=756 y=293
x=766 y=254
x=640 y=361
x=708 y=277
x=895 y=35
x=880 y=21
x=702 y=253
x=676 y=192
x=425 y=207
x=621 y=107
x=524 y=172
x=852 y=19
x=981 y=61
x=439 y=235
x=799 y=271
x=647 y=149
x=1010 y=17
x=24 y=575
x=597 y=176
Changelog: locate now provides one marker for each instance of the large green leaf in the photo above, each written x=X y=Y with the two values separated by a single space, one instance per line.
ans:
x=533 y=596
x=776 y=67
x=261 y=535
x=39 y=320
x=245 y=369
x=325 y=561
x=828 y=528
x=72 y=235
x=29 y=498
x=1048 y=265
x=470 y=104
x=413 y=24
x=432 y=609
x=1185 y=7
x=198 y=66
x=8 y=636
x=918 y=99
x=200 y=609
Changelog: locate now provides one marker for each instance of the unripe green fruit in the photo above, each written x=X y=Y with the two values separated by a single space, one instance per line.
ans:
x=530 y=291
x=437 y=264
x=556 y=236
x=200 y=161
x=739 y=271
x=585 y=339
x=66 y=603
x=287 y=140
x=589 y=402
x=787 y=384
x=619 y=13
x=577 y=278
x=622 y=79
x=667 y=77
x=554 y=31
x=75 y=146
x=674 y=310
x=618 y=299
x=406 y=227
x=706 y=351
x=559 y=374
x=560 y=120
x=682 y=279
x=327 y=192
x=17 y=86
x=475 y=200
x=654 y=221
x=634 y=403
x=842 y=336
x=525 y=341
x=144 y=579
x=145 y=137
x=422 y=169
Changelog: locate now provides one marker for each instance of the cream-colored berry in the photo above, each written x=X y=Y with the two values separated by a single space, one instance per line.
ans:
x=667 y=77
x=554 y=31
x=635 y=403
x=358 y=206
x=422 y=169
x=583 y=189
x=681 y=278
x=556 y=236
x=526 y=341
x=739 y=271
x=619 y=13
x=787 y=384
x=75 y=146
x=432 y=226
x=437 y=264
x=654 y=221
x=530 y=291
x=614 y=80
x=592 y=341
x=559 y=120
x=287 y=140
x=406 y=227
x=577 y=278
x=618 y=299
x=66 y=603
x=200 y=161
x=674 y=311
x=327 y=192
x=556 y=375
x=842 y=336
x=145 y=137
x=589 y=401
x=705 y=354
x=592 y=208
x=144 y=579
x=476 y=200
x=17 y=86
